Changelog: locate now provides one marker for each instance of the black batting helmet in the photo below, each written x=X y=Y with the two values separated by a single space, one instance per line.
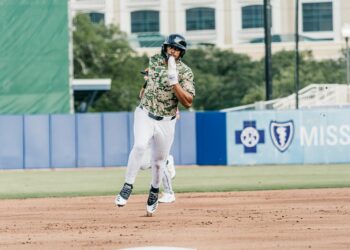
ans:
x=176 y=41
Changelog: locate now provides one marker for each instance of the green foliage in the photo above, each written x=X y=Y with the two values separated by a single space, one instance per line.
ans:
x=98 y=49
x=310 y=71
x=223 y=78
x=104 y=52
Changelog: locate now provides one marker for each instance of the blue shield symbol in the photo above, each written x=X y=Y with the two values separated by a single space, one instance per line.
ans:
x=282 y=134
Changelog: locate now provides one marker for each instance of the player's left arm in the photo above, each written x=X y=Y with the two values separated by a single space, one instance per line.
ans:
x=184 y=97
x=184 y=91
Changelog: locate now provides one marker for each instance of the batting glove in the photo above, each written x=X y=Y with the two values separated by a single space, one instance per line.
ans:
x=172 y=74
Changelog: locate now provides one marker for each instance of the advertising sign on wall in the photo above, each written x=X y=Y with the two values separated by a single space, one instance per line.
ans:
x=288 y=137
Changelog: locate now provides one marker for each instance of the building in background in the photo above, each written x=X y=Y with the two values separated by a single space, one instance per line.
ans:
x=227 y=24
x=98 y=10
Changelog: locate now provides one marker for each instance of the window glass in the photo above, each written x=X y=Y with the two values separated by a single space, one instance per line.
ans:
x=317 y=17
x=252 y=16
x=96 y=17
x=200 y=19
x=144 y=21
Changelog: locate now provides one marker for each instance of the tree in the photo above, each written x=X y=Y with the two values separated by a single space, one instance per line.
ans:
x=222 y=77
x=311 y=71
x=104 y=52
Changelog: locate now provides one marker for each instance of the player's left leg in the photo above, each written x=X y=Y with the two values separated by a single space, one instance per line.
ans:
x=168 y=195
x=170 y=164
x=162 y=141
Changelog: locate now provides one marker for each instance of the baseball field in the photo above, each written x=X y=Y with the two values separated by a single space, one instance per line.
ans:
x=251 y=207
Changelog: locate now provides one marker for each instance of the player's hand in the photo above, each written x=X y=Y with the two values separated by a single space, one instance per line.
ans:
x=172 y=74
x=145 y=74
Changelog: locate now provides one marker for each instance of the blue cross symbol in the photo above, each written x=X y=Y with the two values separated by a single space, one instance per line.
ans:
x=250 y=136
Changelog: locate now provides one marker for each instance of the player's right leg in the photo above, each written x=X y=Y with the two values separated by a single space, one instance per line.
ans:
x=123 y=195
x=146 y=159
x=143 y=133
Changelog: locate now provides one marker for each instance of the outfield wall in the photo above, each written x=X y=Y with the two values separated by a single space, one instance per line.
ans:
x=288 y=137
x=203 y=138
x=82 y=140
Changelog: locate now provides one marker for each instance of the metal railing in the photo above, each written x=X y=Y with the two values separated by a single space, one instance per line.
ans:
x=313 y=95
x=316 y=95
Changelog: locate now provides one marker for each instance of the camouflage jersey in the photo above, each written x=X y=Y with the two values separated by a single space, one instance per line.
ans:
x=159 y=98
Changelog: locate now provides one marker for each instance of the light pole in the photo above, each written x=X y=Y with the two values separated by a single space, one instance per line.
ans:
x=297 y=60
x=346 y=34
x=268 y=59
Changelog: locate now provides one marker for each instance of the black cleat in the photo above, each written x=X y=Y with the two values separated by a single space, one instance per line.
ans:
x=124 y=195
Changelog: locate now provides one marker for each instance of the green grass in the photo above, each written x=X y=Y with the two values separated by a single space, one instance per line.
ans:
x=86 y=182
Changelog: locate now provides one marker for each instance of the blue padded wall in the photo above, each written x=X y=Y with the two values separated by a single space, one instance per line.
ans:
x=188 y=138
x=116 y=138
x=175 y=150
x=63 y=144
x=314 y=136
x=131 y=129
x=261 y=151
x=211 y=138
x=36 y=141
x=81 y=140
x=89 y=140
x=11 y=142
x=184 y=146
x=205 y=138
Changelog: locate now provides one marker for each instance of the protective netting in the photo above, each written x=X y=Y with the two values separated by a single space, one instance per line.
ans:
x=34 y=75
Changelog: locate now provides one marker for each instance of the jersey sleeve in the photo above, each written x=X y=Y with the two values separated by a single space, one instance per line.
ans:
x=187 y=81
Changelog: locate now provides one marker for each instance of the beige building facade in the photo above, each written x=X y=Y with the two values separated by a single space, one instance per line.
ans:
x=228 y=24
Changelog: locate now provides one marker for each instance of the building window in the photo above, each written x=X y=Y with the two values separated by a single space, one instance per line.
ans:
x=200 y=19
x=97 y=17
x=252 y=16
x=144 y=21
x=317 y=17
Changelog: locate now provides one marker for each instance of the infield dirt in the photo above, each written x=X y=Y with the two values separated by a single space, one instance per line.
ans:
x=291 y=219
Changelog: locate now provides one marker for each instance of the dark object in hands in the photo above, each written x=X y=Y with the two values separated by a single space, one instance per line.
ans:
x=144 y=73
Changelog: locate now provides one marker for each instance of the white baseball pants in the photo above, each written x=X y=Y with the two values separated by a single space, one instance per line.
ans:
x=149 y=132
x=166 y=179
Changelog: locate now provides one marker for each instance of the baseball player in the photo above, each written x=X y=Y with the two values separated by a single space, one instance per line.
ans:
x=169 y=172
x=170 y=82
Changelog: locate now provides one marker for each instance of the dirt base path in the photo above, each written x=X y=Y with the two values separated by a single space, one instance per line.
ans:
x=293 y=219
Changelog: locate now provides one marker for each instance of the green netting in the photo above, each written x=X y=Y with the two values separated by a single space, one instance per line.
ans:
x=34 y=76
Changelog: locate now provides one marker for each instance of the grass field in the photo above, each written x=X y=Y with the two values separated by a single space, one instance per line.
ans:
x=16 y=184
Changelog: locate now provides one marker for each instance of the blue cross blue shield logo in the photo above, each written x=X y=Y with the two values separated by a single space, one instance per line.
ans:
x=282 y=134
